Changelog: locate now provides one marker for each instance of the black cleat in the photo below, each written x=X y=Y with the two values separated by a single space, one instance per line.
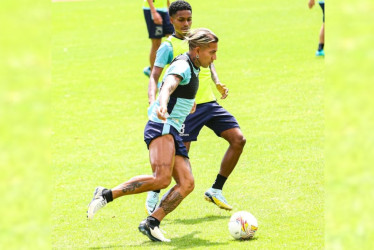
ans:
x=154 y=234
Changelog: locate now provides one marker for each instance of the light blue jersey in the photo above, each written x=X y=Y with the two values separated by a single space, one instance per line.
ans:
x=178 y=107
x=164 y=55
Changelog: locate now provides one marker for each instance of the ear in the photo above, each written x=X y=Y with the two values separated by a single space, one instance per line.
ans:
x=171 y=20
x=197 y=50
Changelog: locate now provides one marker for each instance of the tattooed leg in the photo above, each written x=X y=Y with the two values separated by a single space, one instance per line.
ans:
x=161 y=154
x=185 y=184
x=171 y=200
x=135 y=185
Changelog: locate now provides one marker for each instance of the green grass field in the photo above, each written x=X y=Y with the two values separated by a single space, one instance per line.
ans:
x=98 y=108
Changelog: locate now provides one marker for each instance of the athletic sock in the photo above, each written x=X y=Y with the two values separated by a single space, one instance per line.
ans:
x=220 y=181
x=320 y=46
x=153 y=222
x=156 y=191
x=108 y=195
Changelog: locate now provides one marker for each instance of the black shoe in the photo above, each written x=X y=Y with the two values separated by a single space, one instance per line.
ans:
x=153 y=234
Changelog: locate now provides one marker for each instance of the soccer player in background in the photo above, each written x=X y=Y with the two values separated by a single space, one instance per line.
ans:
x=208 y=112
x=167 y=153
x=320 y=51
x=158 y=25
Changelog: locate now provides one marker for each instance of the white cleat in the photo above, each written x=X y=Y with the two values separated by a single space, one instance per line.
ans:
x=98 y=201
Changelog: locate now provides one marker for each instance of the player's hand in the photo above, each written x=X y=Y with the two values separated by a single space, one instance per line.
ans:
x=162 y=113
x=223 y=90
x=311 y=3
x=157 y=19
x=193 y=109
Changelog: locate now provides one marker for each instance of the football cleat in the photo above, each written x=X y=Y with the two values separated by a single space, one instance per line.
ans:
x=151 y=202
x=147 y=71
x=154 y=234
x=320 y=53
x=98 y=201
x=215 y=196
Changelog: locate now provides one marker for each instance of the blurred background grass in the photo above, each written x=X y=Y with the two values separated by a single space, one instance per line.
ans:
x=24 y=123
x=349 y=125
x=24 y=82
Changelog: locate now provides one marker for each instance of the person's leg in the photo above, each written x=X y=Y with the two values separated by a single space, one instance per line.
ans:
x=161 y=154
x=189 y=132
x=322 y=34
x=184 y=185
x=224 y=125
x=155 y=33
x=153 y=196
x=236 y=140
x=321 y=44
x=156 y=42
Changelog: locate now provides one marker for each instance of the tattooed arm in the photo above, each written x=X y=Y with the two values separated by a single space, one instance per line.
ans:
x=170 y=84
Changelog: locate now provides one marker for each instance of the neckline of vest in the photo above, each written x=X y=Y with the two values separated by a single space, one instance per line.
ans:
x=176 y=36
x=189 y=59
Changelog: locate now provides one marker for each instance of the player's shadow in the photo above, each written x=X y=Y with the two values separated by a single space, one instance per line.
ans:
x=201 y=219
x=184 y=242
x=189 y=241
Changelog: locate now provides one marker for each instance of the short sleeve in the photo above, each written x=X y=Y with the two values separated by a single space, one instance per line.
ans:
x=182 y=69
x=164 y=55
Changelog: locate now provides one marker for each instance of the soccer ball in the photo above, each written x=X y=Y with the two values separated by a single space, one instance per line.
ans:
x=242 y=225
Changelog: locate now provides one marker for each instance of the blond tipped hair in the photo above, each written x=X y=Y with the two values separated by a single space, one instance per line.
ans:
x=200 y=37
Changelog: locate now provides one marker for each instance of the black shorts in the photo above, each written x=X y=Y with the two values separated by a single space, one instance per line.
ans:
x=154 y=130
x=158 y=31
x=209 y=114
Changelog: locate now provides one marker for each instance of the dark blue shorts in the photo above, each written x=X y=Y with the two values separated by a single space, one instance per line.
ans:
x=154 y=129
x=158 y=31
x=210 y=114
x=322 y=4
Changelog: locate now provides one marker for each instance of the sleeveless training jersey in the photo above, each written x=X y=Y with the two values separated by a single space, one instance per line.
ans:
x=182 y=99
x=160 y=5
x=173 y=47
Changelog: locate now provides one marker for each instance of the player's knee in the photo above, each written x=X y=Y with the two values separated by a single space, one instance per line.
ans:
x=239 y=142
x=188 y=185
x=162 y=182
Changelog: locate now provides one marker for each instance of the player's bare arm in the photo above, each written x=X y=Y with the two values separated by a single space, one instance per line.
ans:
x=220 y=86
x=156 y=17
x=152 y=86
x=170 y=84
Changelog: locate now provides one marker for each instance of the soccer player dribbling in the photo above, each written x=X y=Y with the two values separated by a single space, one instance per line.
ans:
x=167 y=154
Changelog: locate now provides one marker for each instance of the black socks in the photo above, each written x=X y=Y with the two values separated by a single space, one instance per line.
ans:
x=320 y=46
x=220 y=181
x=107 y=193
x=153 y=222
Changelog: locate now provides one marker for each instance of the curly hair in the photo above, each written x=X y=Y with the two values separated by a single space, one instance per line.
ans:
x=177 y=6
